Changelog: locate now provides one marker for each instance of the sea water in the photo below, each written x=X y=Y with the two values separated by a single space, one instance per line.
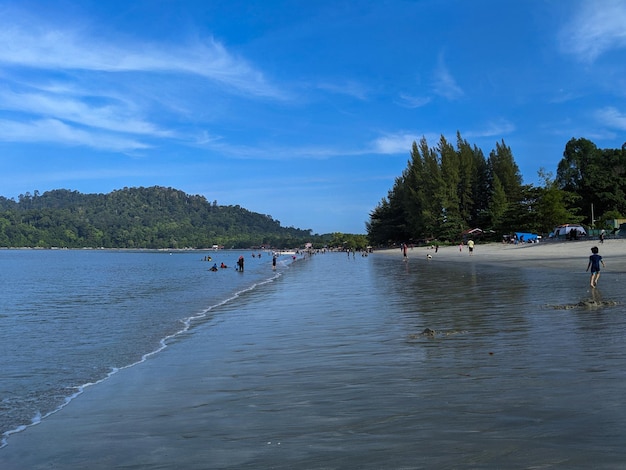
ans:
x=327 y=365
x=70 y=318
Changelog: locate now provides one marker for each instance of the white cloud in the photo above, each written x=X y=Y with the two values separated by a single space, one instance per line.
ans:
x=55 y=131
x=611 y=117
x=492 y=129
x=394 y=143
x=96 y=93
x=596 y=28
x=388 y=144
x=62 y=107
x=445 y=84
x=29 y=43
x=400 y=142
x=270 y=151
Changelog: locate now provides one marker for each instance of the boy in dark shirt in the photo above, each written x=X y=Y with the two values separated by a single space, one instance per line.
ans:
x=594 y=263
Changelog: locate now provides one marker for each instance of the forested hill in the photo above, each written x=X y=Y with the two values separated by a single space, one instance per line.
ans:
x=154 y=217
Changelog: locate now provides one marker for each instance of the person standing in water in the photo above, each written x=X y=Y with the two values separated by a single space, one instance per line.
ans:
x=594 y=263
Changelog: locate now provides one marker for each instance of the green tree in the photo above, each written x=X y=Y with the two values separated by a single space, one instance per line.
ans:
x=444 y=190
x=504 y=171
x=597 y=176
x=606 y=219
x=554 y=205
x=468 y=178
x=388 y=223
x=413 y=195
x=452 y=224
x=502 y=164
x=433 y=193
x=498 y=205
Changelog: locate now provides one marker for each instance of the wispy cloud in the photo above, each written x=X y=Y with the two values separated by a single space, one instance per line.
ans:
x=596 y=28
x=563 y=96
x=93 y=92
x=55 y=131
x=349 y=88
x=270 y=151
x=409 y=101
x=30 y=43
x=388 y=144
x=445 y=85
x=498 y=128
x=394 y=143
x=400 y=142
x=115 y=117
x=611 y=117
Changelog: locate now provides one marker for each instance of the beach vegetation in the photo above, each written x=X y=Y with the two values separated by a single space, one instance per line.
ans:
x=597 y=176
x=446 y=189
x=607 y=220
x=553 y=205
x=347 y=241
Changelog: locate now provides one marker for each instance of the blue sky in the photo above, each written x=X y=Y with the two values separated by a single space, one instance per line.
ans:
x=303 y=110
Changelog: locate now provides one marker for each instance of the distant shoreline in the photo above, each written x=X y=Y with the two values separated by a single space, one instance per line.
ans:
x=572 y=255
x=155 y=250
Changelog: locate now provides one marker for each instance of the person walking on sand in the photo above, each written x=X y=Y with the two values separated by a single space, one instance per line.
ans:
x=594 y=263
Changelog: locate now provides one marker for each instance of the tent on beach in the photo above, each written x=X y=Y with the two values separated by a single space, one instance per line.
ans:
x=472 y=232
x=566 y=231
x=526 y=237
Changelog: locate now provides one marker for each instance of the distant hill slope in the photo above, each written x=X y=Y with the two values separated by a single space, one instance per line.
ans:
x=154 y=217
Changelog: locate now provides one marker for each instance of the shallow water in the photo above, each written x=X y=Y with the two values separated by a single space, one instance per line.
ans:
x=71 y=318
x=336 y=370
x=326 y=367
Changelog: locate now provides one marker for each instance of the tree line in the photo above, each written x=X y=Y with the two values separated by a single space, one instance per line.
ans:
x=154 y=217
x=447 y=189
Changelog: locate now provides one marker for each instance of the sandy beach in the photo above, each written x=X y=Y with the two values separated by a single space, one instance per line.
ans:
x=569 y=255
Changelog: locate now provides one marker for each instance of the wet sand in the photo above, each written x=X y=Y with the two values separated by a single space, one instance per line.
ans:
x=569 y=255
